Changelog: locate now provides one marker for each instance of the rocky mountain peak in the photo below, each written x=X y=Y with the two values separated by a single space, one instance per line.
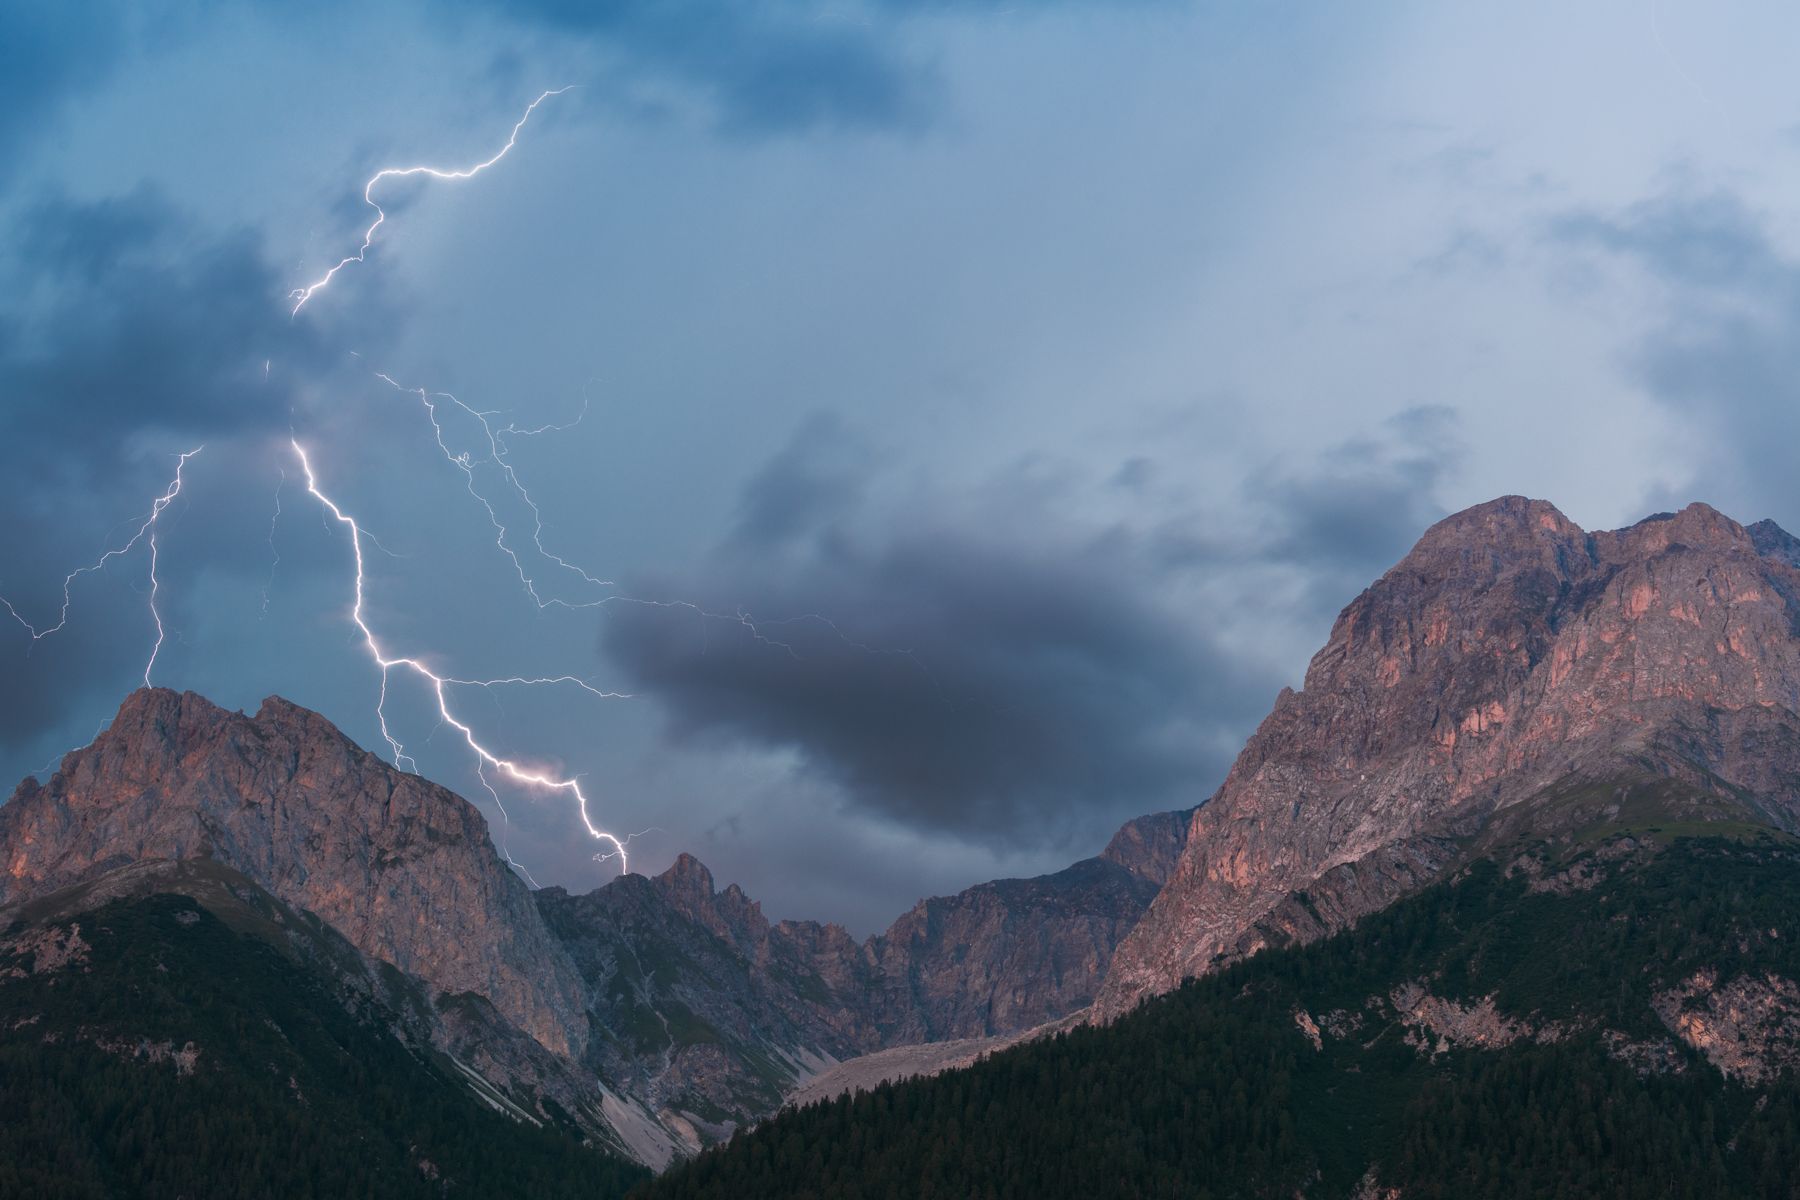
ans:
x=1697 y=527
x=1775 y=542
x=689 y=888
x=1508 y=652
x=1511 y=527
x=401 y=867
x=687 y=876
x=1150 y=846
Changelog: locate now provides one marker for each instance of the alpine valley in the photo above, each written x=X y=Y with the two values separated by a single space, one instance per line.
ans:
x=1504 y=901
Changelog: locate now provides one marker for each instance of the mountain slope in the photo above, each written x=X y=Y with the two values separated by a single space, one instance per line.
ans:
x=710 y=1014
x=1509 y=653
x=1615 y=1015
x=680 y=1006
x=173 y=1030
x=401 y=867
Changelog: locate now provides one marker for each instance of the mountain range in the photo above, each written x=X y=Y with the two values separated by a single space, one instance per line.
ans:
x=660 y=1013
x=1517 y=704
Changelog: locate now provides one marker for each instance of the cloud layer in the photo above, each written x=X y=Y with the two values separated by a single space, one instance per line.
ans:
x=132 y=337
x=989 y=671
x=1723 y=353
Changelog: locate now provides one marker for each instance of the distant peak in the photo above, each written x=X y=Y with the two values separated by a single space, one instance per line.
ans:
x=687 y=874
x=155 y=699
x=1698 y=525
x=1521 y=528
x=1772 y=541
x=277 y=704
x=151 y=709
x=1509 y=532
x=1502 y=519
x=282 y=713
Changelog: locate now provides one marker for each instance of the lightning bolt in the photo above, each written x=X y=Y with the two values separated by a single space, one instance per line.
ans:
x=301 y=295
x=440 y=685
x=493 y=451
x=496 y=454
x=145 y=532
x=495 y=438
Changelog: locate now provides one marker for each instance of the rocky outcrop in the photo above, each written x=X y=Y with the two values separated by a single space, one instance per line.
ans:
x=399 y=866
x=1003 y=956
x=1748 y=1027
x=700 y=1007
x=710 y=1014
x=1508 y=655
x=1150 y=847
x=1437 y=1024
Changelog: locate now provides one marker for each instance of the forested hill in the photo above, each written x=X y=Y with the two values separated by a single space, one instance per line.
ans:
x=1616 y=1020
x=161 y=1046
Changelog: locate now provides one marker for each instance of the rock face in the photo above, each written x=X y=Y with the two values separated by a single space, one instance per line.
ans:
x=1151 y=846
x=1509 y=654
x=1749 y=1027
x=701 y=1008
x=710 y=1013
x=399 y=866
x=1003 y=956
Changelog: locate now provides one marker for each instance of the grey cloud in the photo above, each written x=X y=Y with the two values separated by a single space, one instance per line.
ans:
x=141 y=324
x=134 y=337
x=1687 y=238
x=995 y=675
x=1361 y=506
x=1724 y=357
x=1333 y=522
x=821 y=470
x=50 y=52
x=782 y=66
x=977 y=676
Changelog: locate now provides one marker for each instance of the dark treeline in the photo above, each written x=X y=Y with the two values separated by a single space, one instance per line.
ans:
x=291 y=1096
x=1215 y=1091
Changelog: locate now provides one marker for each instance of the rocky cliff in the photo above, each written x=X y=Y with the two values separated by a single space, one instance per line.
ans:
x=1151 y=846
x=1002 y=956
x=710 y=1013
x=397 y=865
x=1509 y=657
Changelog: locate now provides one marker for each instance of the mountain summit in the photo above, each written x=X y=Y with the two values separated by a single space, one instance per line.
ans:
x=1509 y=671
x=400 y=866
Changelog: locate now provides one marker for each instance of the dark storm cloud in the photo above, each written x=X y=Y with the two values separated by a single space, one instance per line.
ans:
x=130 y=337
x=997 y=675
x=774 y=67
x=977 y=675
x=1724 y=357
x=139 y=324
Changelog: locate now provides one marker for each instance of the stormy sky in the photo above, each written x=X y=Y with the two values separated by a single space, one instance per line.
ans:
x=947 y=426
